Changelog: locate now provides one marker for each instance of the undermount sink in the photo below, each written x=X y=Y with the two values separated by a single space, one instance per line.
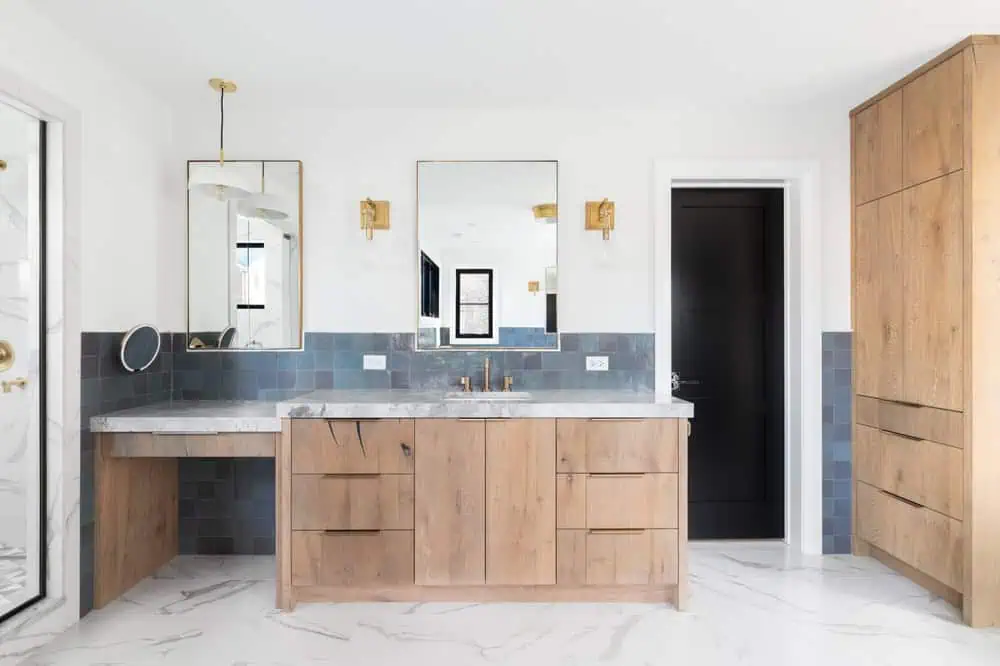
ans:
x=495 y=396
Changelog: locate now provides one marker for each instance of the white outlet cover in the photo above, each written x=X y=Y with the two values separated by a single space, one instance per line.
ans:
x=597 y=364
x=374 y=362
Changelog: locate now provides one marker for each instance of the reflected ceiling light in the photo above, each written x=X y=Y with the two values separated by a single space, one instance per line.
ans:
x=547 y=213
x=224 y=183
x=265 y=206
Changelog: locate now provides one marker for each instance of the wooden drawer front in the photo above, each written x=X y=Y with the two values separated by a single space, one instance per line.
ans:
x=933 y=112
x=924 y=472
x=878 y=149
x=217 y=445
x=935 y=425
x=616 y=557
x=616 y=446
x=352 y=559
x=926 y=540
x=616 y=501
x=352 y=502
x=321 y=446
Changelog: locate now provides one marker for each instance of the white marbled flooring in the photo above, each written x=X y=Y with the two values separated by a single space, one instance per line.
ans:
x=752 y=603
x=13 y=577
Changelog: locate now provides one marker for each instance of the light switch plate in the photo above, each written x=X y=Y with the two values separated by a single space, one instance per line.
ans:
x=374 y=362
x=597 y=364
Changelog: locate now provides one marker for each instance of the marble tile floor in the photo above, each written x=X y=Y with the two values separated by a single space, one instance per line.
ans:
x=13 y=577
x=752 y=603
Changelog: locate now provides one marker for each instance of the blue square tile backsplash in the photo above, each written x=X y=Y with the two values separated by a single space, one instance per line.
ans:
x=837 y=404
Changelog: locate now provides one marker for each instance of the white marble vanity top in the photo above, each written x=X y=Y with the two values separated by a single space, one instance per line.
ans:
x=433 y=404
x=259 y=416
x=190 y=417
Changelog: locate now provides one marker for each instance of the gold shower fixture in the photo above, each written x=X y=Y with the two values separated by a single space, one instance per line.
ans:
x=601 y=217
x=374 y=215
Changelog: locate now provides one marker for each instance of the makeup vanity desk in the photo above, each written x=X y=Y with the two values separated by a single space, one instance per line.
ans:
x=411 y=496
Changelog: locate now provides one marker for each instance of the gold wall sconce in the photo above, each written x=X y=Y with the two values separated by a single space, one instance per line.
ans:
x=3 y=165
x=534 y=286
x=374 y=215
x=601 y=217
x=547 y=213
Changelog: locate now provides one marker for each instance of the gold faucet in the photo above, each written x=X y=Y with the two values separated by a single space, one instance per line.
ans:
x=466 y=384
x=486 y=376
x=507 y=383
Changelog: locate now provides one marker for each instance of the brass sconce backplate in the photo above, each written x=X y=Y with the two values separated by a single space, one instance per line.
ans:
x=3 y=165
x=381 y=221
x=534 y=286
x=595 y=221
x=6 y=356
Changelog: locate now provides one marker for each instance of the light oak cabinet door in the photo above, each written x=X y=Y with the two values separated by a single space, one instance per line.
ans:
x=617 y=501
x=352 y=502
x=933 y=112
x=336 y=446
x=878 y=149
x=521 y=502
x=616 y=446
x=352 y=559
x=933 y=367
x=617 y=557
x=449 y=502
x=878 y=293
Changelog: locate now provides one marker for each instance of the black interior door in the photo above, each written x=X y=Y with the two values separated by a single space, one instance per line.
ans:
x=728 y=351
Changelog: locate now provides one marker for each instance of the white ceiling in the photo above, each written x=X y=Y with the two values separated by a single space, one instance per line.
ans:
x=528 y=53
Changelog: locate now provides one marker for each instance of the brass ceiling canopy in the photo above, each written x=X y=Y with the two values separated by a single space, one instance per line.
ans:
x=222 y=85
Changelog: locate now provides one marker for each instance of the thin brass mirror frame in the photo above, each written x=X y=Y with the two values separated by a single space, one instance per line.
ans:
x=472 y=347
x=187 y=260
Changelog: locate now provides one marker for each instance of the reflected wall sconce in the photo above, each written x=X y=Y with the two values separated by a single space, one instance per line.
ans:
x=601 y=217
x=547 y=213
x=3 y=165
x=374 y=215
x=534 y=287
x=224 y=183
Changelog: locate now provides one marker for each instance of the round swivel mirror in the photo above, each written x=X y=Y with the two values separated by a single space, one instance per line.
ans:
x=227 y=338
x=140 y=347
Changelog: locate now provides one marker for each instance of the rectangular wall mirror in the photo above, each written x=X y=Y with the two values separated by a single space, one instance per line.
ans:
x=245 y=256
x=487 y=234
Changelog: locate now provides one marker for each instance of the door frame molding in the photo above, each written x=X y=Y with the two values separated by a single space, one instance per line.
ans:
x=803 y=316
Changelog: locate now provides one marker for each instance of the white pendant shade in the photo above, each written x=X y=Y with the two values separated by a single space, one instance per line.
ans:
x=223 y=183
x=265 y=206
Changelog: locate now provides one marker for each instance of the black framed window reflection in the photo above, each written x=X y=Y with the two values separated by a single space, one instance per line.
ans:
x=430 y=287
x=474 y=303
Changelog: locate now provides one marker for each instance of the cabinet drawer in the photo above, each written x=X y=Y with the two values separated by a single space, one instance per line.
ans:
x=610 y=501
x=930 y=423
x=616 y=557
x=924 y=472
x=321 y=446
x=352 y=502
x=616 y=446
x=926 y=540
x=353 y=559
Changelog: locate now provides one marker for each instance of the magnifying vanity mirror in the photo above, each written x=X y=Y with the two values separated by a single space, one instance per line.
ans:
x=487 y=234
x=245 y=258
x=139 y=348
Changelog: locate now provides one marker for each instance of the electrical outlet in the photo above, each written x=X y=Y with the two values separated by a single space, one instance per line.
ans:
x=374 y=362
x=597 y=364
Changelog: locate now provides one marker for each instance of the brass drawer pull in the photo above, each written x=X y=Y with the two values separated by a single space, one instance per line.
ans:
x=352 y=532
x=616 y=475
x=615 y=531
x=902 y=499
x=366 y=475
x=905 y=403
x=912 y=438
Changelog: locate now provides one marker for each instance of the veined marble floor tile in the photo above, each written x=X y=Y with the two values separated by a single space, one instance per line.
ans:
x=752 y=603
x=13 y=577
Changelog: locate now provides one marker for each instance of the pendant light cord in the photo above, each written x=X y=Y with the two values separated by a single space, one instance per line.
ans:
x=222 y=124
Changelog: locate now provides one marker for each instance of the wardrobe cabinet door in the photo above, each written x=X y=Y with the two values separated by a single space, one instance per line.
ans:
x=878 y=149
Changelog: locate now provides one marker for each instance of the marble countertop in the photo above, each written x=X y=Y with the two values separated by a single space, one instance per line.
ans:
x=191 y=417
x=432 y=404
x=258 y=416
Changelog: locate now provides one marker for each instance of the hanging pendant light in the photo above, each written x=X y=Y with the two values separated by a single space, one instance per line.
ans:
x=224 y=183
x=263 y=205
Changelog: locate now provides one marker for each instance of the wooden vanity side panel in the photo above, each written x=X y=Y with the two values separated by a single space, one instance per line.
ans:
x=449 y=502
x=521 y=502
x=136 y=519
x=283 y=515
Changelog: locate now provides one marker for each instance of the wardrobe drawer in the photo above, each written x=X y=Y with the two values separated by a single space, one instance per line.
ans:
x=930 y=423
x=616 y=445
x=352 y=502
x=616 y=501
x=354 y=559
x=924 y=472
x=616 y=557
x=335 y=446
x=926 y=540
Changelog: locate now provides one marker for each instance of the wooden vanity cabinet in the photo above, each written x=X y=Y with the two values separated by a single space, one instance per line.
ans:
x=482 y=509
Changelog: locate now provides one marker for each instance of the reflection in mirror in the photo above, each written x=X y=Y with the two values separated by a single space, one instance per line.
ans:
x=487 y=234
x=245 y=260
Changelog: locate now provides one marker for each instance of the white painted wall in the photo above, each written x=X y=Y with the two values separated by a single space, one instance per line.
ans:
x=355 y=285
x=133 y=185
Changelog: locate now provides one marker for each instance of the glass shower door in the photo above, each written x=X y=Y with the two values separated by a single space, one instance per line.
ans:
x=21 y=359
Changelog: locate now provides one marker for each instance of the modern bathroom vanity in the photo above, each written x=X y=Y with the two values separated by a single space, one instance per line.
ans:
x=410 y=495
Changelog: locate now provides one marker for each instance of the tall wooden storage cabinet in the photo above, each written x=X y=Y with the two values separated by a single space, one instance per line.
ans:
x=925 y=160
